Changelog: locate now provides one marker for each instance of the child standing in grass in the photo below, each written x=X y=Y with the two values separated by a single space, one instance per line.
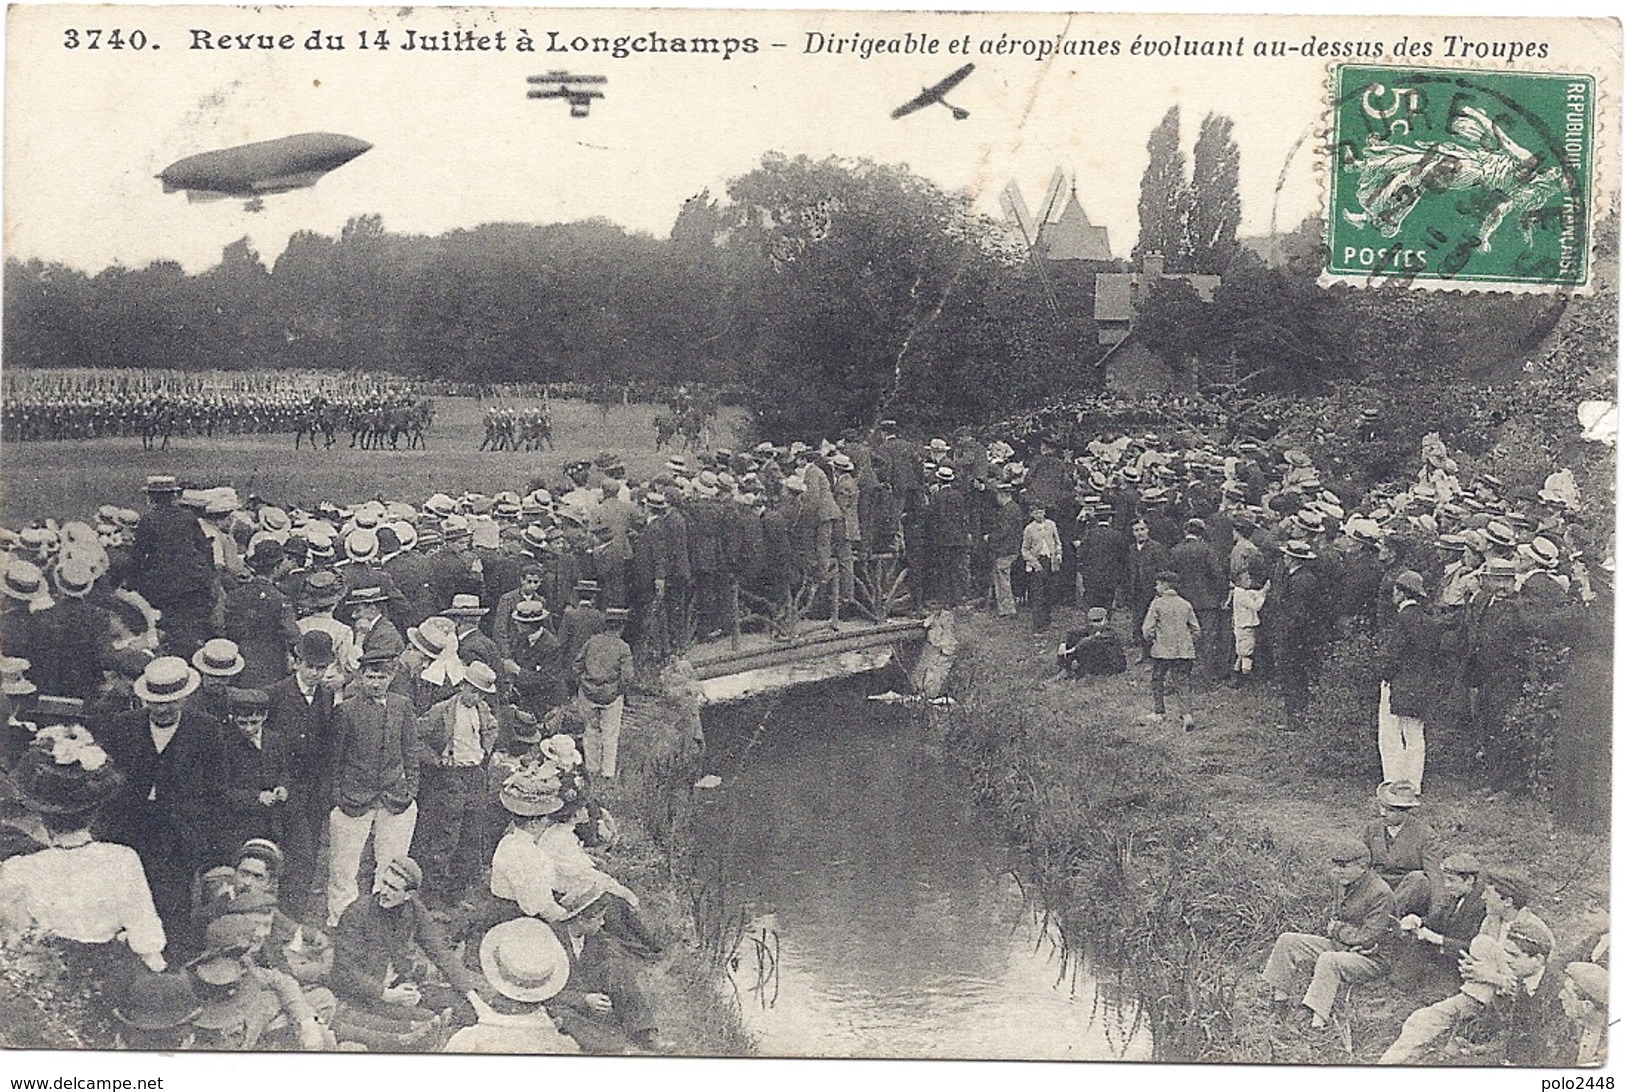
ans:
x=1171 y=629
x=1245 y=603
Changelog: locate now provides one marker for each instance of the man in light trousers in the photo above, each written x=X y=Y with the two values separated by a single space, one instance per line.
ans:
x=375 y=781
x=1349 y=950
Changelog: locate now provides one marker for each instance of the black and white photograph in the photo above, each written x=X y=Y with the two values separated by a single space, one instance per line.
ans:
x=981 y=537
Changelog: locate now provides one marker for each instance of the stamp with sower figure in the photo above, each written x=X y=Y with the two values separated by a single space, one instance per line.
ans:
x=1448 y=178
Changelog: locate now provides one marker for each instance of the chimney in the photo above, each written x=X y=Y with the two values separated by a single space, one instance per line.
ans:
x=1153 y=265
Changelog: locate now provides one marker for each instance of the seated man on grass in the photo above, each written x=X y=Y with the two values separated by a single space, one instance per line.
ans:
x=1349 y=949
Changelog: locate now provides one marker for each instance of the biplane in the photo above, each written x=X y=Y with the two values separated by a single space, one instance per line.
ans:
x=580 y=99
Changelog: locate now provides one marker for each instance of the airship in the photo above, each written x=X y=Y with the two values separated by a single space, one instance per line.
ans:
x=265 y=167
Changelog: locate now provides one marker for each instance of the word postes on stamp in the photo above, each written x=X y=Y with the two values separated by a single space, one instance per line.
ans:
x=1471 y=180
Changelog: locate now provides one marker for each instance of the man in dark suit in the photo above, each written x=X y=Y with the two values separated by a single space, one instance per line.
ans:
x=1442 y=937
x=170 y=758
x=300 y=716
x=1296 y=621
x=253 y=776
x=1101 y=551
x=172 y=565
x=1204 y=582
x=1146 y=558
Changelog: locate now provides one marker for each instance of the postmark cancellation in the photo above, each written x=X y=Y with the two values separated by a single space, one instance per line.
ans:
x=1462 y=179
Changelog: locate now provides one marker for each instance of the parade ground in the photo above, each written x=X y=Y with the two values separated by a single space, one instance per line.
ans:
x=78 y=475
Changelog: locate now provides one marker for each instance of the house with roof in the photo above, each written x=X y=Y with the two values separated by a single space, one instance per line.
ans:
x=1131 y=366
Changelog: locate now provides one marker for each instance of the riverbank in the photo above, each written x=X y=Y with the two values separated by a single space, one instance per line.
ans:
x=41 y=1008
x=1181 y=856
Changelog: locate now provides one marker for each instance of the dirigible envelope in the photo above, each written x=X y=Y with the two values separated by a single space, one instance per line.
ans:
x=268 y=166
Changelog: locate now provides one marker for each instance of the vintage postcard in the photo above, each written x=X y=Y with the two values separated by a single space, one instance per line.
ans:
x=807 y=534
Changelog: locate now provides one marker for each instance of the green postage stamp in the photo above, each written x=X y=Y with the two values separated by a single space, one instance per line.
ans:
x=1466 y=179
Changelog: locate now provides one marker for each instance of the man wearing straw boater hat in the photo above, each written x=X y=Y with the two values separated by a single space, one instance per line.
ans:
x=172 y=565
x=526 y=965
x=168 y=754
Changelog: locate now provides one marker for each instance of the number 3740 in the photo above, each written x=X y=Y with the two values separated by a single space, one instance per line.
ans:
x=104 y=39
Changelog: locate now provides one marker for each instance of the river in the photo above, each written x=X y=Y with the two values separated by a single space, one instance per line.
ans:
x=883 y=919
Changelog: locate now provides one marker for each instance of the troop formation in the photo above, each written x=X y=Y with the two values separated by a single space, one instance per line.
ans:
x=523 y=428
x=215 y=683
x=160 y=407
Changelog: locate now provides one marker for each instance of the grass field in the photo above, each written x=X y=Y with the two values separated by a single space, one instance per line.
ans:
x=68 y=479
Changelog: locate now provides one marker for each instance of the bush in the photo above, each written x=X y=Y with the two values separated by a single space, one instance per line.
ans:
x=1344 y=701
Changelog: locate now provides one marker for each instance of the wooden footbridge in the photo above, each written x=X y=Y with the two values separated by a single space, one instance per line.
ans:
x=731 y=669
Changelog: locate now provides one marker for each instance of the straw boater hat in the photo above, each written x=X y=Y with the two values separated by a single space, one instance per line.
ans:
x=465 y=606
x=362 y=596
x=24 y=582
x=1543 y=552
x=219 y=659
x=161 y=483
x=531 y=612
x=166 y=679
x=158 y=1002
x=523 y=960
x=361 y=545
x=14 y=677
x=1298 y=549
x=74 y=579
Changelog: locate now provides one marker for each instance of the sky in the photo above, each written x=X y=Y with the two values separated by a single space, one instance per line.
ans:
x=456 y=142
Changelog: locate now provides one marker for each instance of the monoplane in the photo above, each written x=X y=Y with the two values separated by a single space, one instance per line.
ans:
x=265 y=167
x=934 y=93
x=580 y=100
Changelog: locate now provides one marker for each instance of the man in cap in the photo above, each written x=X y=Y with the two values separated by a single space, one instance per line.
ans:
x=170 y=758
x=458 y=736
x=299 y=714
x=253 y=775
x=1350 y=947
x=375 y=765
x=1409 y=681
x=1093 y=650
x=172 y=566
x=376 y=951
x=1442 y=936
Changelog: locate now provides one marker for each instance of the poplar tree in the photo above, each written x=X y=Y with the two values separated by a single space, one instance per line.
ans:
x=1213 y=211
x=1164 y=196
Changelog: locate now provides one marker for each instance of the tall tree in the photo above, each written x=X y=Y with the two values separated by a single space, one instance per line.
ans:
x=1213 y=211
x=1164 y=196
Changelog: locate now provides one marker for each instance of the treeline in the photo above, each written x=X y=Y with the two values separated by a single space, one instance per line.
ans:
x=834 y=289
